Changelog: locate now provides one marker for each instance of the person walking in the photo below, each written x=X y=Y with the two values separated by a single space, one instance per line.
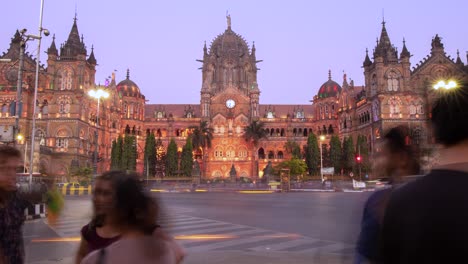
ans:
x=12 y=207
x=132 y=213
x=426 y=220
x=395 y=160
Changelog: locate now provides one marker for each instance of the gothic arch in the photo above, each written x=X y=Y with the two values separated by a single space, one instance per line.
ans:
x=63 y=131
x=393 y=80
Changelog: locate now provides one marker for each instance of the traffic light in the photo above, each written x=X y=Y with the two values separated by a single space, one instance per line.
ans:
x=358 y=159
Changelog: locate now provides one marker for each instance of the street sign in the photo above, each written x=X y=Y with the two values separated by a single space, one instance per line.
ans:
x=359 y=184
x=328 y=170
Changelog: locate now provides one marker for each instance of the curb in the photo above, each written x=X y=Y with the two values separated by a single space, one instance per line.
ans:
x=35 y=212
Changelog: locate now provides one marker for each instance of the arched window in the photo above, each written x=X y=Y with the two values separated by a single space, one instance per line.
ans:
x=272 y=131
x=395 y=106
x=282 y=132
x=277 y=132
x=305 y=132
x=261 y=153
x=66 y=80
x=271 y=155
x=280 y=155
x=218 y=152
x=242 y=152
x=158 y=132
x=294 y=132
x=230 y=153
x=392 y=81
x=4 y=110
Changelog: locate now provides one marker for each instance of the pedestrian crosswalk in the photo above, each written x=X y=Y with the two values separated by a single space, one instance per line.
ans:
x=198 y=234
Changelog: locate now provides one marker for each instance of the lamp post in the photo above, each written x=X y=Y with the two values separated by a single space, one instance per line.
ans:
x=322 y=138
x=36 y=84
x=97 y=94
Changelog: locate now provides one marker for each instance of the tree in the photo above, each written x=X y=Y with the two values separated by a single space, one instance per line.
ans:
x=84 y=174
x=326 y=156
x=335 y=153
x=172 y=159
x=348 y=154
x=186 y=161
x=160 y=167
x=296 y=166
x=116 y=154
x=201 y=138
x=129 y=153
x=293 y=148
x=253 y=133
x=362 y=149
x=312 y=154
x=150 y=155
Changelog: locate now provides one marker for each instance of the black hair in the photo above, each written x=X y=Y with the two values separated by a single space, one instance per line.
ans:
x=395 y=141
x=7 y=152
x=450 y=116
x=134 y=208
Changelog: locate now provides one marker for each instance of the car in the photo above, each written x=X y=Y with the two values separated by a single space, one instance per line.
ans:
x=379 y=183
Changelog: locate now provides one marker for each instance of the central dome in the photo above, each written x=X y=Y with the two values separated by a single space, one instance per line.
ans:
x=128 y=87
x=329 y=89
x=229 y=43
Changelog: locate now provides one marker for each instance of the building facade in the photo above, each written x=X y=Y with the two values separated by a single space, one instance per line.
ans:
x=68 y=126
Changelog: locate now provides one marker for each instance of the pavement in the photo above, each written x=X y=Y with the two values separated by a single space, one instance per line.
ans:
x=302 y=227
x=245 y=258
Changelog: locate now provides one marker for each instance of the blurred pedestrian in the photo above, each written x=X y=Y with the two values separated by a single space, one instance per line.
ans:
x=100 y=232
x=394 y=161
x=426 y=220
x=12 y=207
x=129 y=214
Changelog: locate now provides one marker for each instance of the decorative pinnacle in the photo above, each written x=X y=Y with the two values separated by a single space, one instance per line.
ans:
x=128 y=74
x=329 y=74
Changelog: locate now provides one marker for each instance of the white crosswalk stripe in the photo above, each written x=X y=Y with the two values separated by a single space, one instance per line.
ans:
x=198 y=234
x=193 y=233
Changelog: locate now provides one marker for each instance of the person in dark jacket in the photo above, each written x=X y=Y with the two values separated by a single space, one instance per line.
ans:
x=426 y=220
x=395 y=160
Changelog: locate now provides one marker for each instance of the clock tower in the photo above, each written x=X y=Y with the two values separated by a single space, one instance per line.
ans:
x=229 y=98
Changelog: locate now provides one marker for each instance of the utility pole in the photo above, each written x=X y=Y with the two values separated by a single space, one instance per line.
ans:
x=19 y=88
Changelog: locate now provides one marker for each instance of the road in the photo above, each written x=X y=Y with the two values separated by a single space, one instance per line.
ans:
x=228 y=227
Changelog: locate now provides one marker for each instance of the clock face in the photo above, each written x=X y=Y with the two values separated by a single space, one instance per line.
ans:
x=230 y=103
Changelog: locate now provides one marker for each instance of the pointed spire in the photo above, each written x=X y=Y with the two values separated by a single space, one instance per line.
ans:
x=253 y=48
x=205 y=50
x=73 y=46
x=329 y=75
x=228 y=20
x=128 y=74
x=459 y=61
x=345 y=81
x=92 y=59
x=367 y=61
x=384 y=38
x=16 y=38
x=404 y=52
x=52 y=49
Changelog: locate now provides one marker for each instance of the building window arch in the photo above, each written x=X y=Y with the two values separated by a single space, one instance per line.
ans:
x=280 y=155
x=243 y=152
x=230 y=153
x=271 y=154
x=261 y=153
x=218 y=152
x=393 y=81
x=66 y=79
x=395 y=106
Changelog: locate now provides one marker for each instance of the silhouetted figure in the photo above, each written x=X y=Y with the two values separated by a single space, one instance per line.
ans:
x=394 y=161
x=426 y=221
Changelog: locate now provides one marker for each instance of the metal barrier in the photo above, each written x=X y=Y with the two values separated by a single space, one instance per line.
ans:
x=69 y=190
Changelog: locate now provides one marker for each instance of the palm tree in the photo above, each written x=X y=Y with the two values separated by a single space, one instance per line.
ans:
x=201 y=139
x=253 y=133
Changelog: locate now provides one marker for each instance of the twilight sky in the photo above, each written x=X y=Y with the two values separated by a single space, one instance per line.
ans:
x=298 y=41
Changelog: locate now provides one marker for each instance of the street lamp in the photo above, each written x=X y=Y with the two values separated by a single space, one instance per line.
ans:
x=450 y=84
x=322 y=138
x=36 y=84
x=97 y=94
